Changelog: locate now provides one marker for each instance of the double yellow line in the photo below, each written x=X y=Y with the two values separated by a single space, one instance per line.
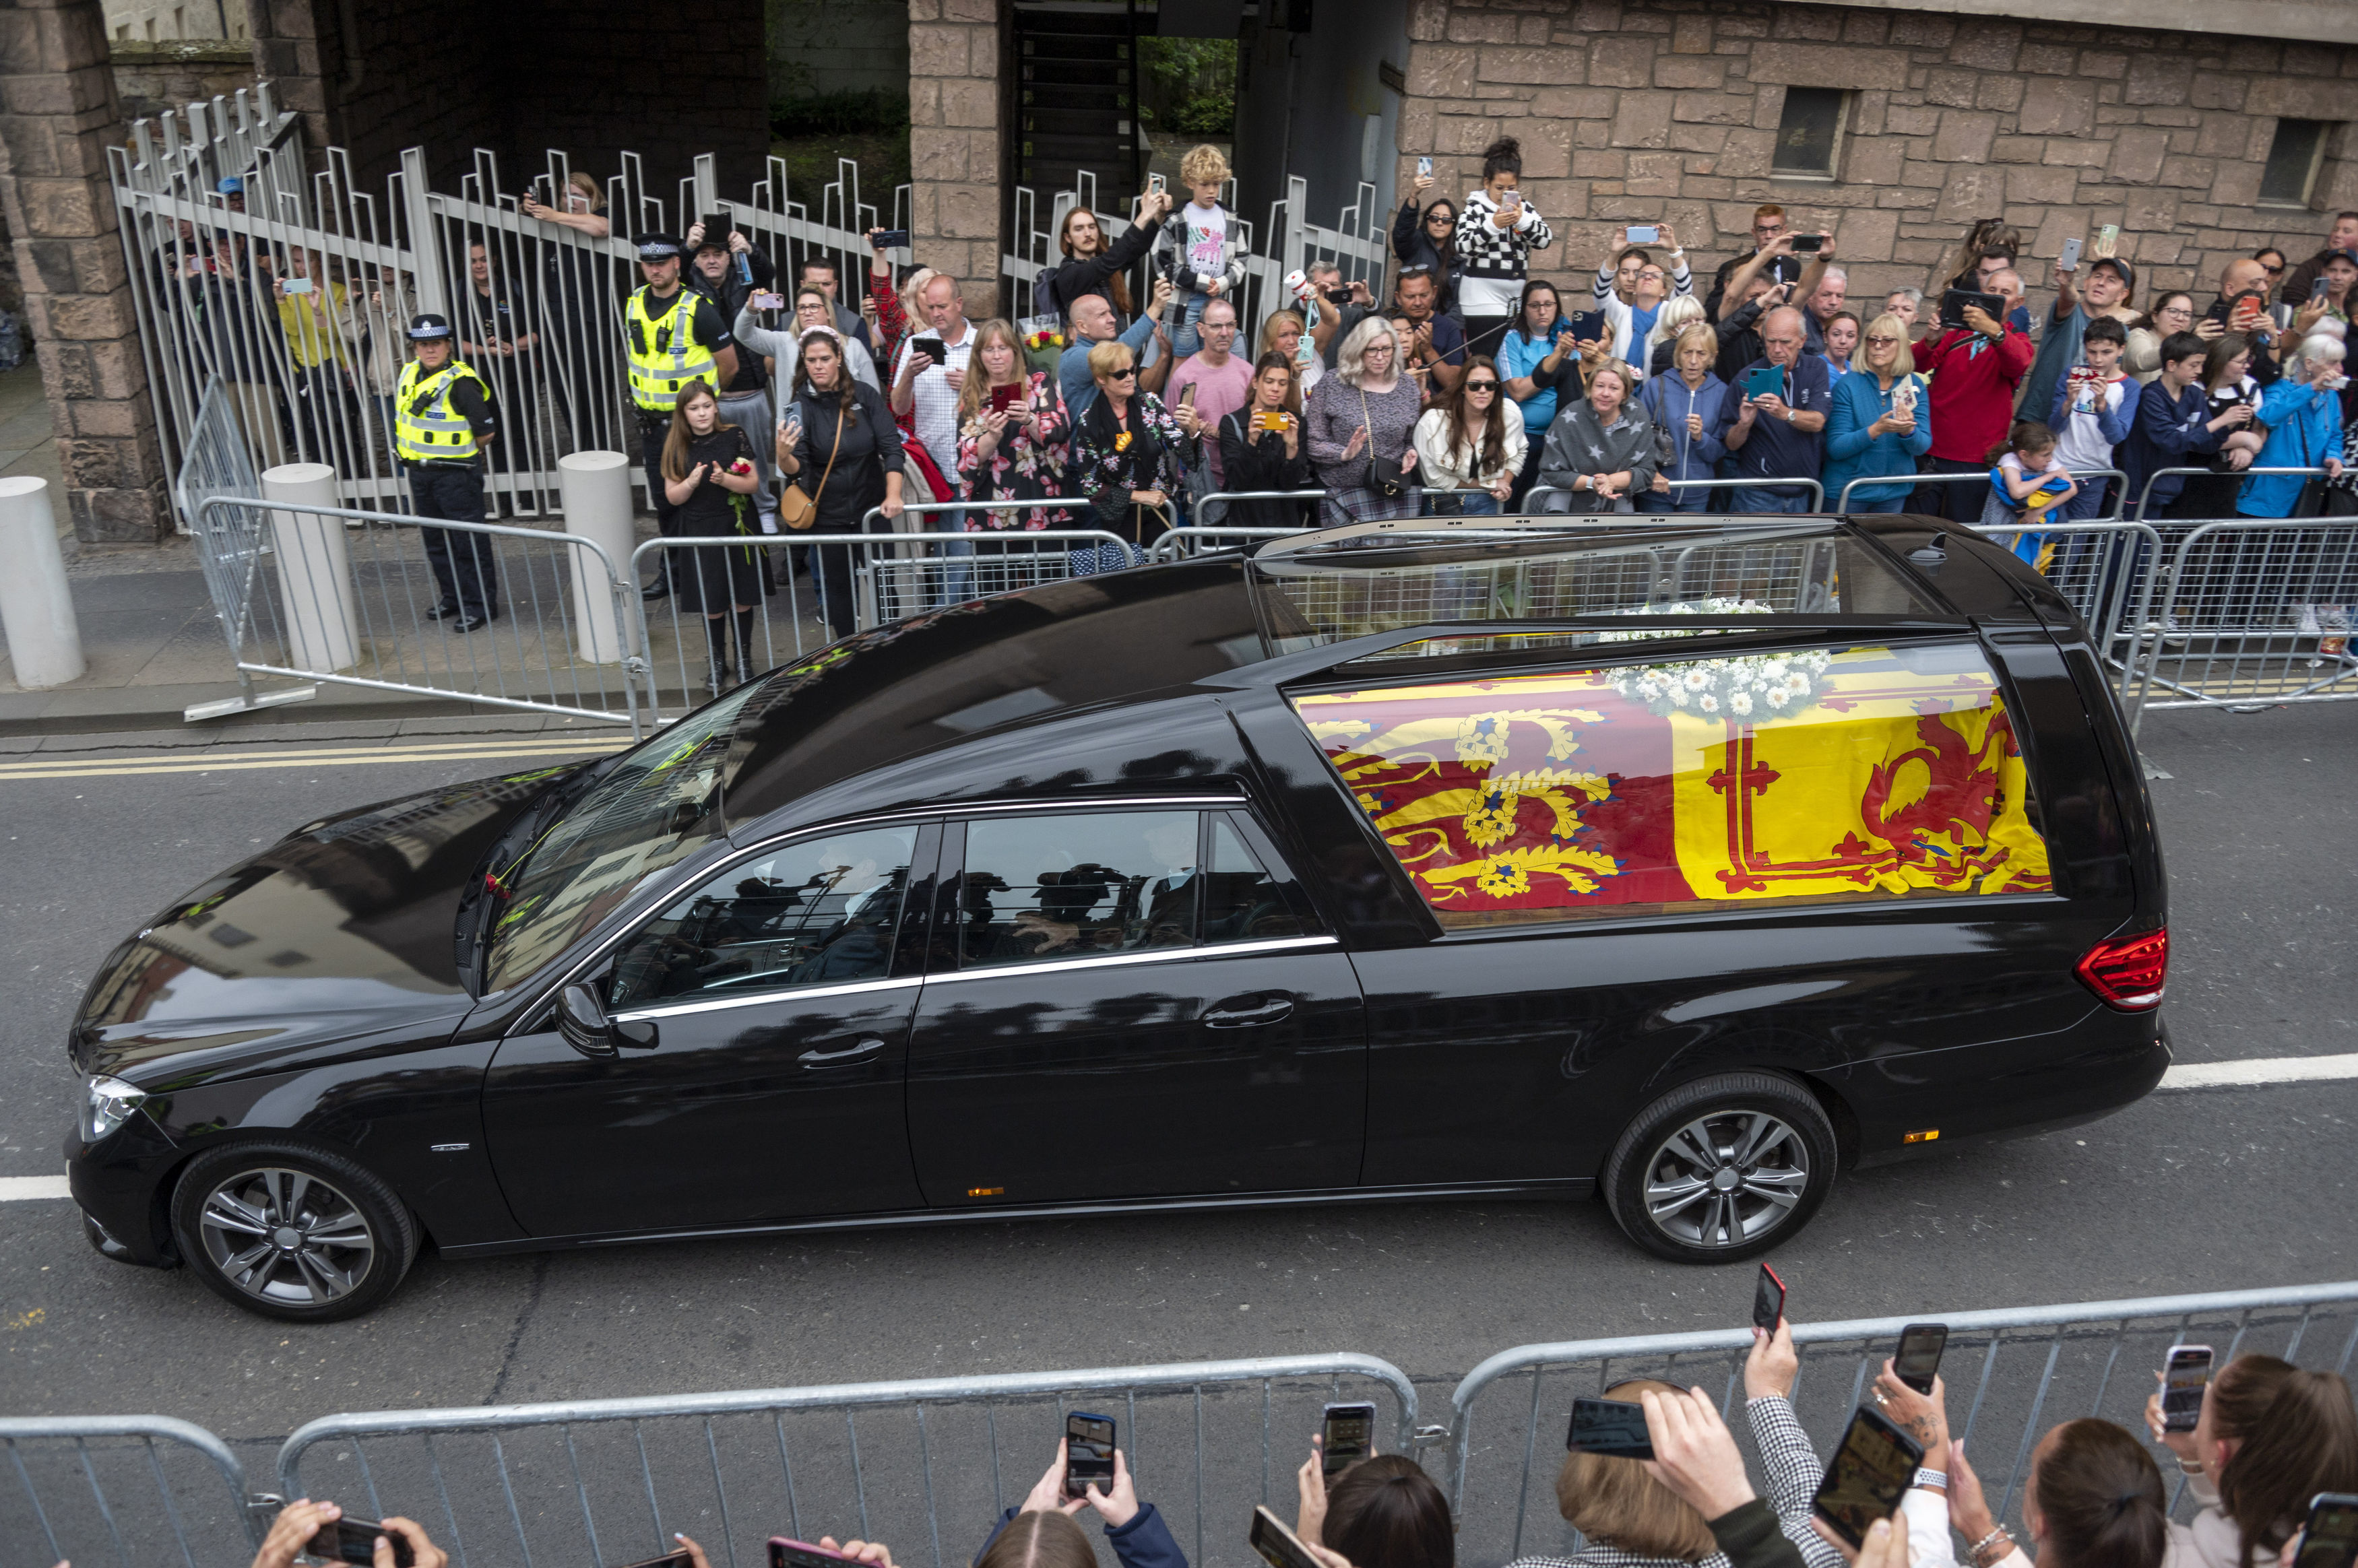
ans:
x=243 y=759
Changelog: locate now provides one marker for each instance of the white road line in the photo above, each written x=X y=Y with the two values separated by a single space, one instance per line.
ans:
x=2246 y=1074
x=2258 y=1070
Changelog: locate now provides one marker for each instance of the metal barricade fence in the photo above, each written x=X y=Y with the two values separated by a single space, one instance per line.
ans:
x=1817 y=495
x=1913 y=482
x=149 y=1489
x=2255 y=612
x=2009 y=1374
x=931 y=1467
x=1202 y=515
x=350 y=598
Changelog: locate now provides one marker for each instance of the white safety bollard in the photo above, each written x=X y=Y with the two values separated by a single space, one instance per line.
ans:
x=315 y=572
x=36 y=611
x=594 y=488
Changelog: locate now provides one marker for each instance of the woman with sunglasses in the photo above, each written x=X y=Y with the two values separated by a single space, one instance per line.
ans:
x=1429 y=240
x=1126 y=457
x=1469 y=446
x=1881 y=421
x=2172 y=312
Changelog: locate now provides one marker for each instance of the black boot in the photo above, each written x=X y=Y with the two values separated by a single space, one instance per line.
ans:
x=715 y=655
x=749 y=661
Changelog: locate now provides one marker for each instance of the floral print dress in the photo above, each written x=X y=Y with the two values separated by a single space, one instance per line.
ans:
x=1112 y=459
x=1021 y=468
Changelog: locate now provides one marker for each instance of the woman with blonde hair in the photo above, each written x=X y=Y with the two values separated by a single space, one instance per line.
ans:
x=1881 y=420
x=1600 y=450
x=1362 y=423
x=1126 y=457
x=710 y=476
x=1670 y=324
x=1684 y=401
x=1011 y=432
x=1285 y=332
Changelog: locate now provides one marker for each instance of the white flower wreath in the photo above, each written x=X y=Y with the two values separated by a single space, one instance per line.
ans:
x=1740 y=686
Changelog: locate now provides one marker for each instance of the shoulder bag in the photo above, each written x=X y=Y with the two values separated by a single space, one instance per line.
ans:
x=1384 y=476
x=798 y=509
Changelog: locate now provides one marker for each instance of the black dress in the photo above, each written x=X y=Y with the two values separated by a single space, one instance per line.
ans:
x=721 y=578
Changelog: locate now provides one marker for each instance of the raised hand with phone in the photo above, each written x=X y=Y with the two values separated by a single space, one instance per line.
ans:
x=322 y=1532
x=1043 y=1529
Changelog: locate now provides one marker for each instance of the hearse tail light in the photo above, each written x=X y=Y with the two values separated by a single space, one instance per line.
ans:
x=2126 y=971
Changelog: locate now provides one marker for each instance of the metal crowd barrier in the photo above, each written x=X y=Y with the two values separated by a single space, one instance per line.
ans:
x=2255 y=612
x=1842 y=503
x=346 y=600
x=1817 y=495
x=593 y=1481
x=2144 y=496
x=1203 y=506
x=2010 y=1373
x=82 y=1480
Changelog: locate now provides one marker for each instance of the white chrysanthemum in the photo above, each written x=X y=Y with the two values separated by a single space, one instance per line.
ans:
x=1740 y=704
x=1706 y=703
x=1797 y=685
x=1776 y=697
x=1694 y=680
x=1679 y=695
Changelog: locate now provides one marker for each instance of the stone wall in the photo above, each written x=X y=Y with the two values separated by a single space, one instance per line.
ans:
x=957 y=105
x=837 y=46
x=1668 y=108
x=152 y=78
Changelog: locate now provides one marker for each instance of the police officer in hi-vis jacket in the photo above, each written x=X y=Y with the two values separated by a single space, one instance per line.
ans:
x=672 y=336
x=442 y=420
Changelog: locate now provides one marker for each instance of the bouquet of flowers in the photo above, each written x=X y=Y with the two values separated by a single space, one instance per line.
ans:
x=1741 y=687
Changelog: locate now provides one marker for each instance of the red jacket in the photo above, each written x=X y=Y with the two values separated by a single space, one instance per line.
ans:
x=1974 y=382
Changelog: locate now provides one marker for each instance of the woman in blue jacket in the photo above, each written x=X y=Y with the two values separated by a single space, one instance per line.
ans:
x=2302 y=412
x=1686 y=404
x=1042 y=1530
x=1880 y=423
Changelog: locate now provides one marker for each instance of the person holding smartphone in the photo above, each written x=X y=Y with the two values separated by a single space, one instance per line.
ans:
x=2108 y=283
x=297 y=1524
x=1429 y=239
x=1497 y=233
x=1260 y=448
x=1041 y=1531
x=1011 y=434
x=2270 y=1437
x=1774 y=429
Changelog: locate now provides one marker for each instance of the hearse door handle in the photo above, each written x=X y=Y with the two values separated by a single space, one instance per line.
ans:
x=856 y=1052
x=1272 y=1010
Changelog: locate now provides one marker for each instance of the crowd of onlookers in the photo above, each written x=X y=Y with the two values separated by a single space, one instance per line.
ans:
x=2269 y=1438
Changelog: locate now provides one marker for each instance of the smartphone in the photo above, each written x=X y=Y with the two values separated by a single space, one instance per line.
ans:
x=1272 y=419
x=1953 y=302
x=766 y=300
x=1614 y=1428
x=1808 y=244
x=1187 y=396
x=1005 y=398
x=354 y=1541
x=2184 y=1379
x=933 y=349
x=2245 y=312
x=1645 y=234
x=1765 y=380
x=2069 y=260
x=1424 y=169
x=1154 y=185
x=1586 y=326
x=789 y=1553
x=1278 y=1546
x=1918 y=1361
x=1347 y=1435
x=2316 y=291
x=892 y=240
x=1089 y=1453
x=1873 y=1464
x=2108 y=236
x=2330 y=1540
x=1511 y=201
x=1768 y=1292
x=298 y=286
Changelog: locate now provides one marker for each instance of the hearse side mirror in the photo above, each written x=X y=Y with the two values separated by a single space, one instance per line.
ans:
x=581 y=1019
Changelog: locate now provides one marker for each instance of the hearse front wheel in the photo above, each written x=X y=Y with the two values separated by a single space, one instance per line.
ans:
x=1721 y=1169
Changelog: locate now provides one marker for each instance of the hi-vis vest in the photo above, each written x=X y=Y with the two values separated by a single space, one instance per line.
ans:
x=426 y=427
x=665 y=354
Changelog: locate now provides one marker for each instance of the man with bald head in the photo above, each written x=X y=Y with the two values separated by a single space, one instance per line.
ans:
x=2241 y=279
x=1975 y=371
x=1771 y=429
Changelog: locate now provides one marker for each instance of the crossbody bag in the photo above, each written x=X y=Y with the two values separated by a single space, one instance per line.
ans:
x=799 y=511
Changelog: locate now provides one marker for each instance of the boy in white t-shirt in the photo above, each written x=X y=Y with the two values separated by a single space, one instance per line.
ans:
x=2093 y=405
x=1201 y=249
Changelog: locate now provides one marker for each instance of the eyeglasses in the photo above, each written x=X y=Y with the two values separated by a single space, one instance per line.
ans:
x=1431 y=218
x=1124 y=373
x=1481 y=386
x=1882 y=341
x=2272 y=271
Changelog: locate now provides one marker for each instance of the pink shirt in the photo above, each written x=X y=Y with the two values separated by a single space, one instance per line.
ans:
x=1220 y=392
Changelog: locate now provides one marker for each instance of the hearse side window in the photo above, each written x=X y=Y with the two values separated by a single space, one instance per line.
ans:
x=1072 y=887
x=821 y=911
x=1822 y=775
x=1242 y=902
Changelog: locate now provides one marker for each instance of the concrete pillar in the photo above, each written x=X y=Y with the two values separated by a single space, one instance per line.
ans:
x=58 y=114
x=595 y=492
x=36 y=611
x=315 y=572
x=955 y=147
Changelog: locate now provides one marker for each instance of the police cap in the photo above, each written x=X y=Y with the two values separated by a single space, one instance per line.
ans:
x=657 y=247
x=428 y=328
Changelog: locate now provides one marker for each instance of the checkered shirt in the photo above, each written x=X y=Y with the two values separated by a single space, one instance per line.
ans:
x=935 y=394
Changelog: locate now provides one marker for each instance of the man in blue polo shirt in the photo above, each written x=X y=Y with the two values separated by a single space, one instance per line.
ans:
x=1774 y=431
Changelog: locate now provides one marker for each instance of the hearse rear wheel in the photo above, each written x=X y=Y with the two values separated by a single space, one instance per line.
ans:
x=1721 y=1169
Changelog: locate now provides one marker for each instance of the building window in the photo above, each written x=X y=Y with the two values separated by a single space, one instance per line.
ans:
x=2293 y=157
x=1809 y=136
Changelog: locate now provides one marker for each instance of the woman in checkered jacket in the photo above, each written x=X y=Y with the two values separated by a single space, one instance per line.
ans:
x=1497 y=233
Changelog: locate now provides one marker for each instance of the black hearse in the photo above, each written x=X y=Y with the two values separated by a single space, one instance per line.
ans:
x=1676 y=865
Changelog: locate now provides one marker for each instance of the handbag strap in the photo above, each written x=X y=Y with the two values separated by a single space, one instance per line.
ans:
x=835 y=452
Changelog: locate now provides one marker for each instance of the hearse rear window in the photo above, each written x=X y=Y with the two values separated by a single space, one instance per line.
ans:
x=1850 y=773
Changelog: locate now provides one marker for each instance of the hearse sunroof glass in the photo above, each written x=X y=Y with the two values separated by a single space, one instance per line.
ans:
x=1318 y=597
